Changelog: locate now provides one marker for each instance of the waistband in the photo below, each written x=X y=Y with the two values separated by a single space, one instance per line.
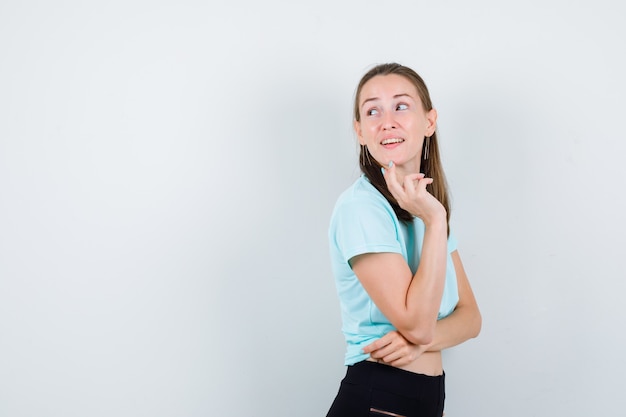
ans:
x=399 y=381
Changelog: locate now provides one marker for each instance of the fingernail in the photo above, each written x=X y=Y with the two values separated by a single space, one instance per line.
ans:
x=390 y=164
x=382 y=169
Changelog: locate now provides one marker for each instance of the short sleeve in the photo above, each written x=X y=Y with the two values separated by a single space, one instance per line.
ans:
x=452 y=242
x=364 y=225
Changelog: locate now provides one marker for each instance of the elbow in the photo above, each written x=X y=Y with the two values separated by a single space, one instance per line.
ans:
x=472 y=321
x=477 y=324
x=420 y=335
x=420 y=330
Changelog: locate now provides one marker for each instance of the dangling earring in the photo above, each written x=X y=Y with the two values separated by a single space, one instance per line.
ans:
x=426 y=146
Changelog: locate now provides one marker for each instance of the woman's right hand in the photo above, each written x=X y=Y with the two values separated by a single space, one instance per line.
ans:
x=412 y=195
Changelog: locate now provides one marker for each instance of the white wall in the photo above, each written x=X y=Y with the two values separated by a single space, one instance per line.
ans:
x=167 y=172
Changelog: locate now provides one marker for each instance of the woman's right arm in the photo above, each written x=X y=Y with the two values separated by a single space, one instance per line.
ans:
x=410 y=301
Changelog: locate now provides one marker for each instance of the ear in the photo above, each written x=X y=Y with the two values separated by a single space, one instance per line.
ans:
x=358 y=131
x=431 y=117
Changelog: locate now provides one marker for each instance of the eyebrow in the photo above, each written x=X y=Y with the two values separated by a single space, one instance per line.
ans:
x=376 y=98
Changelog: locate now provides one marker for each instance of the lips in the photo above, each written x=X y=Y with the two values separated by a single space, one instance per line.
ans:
x=391 y=141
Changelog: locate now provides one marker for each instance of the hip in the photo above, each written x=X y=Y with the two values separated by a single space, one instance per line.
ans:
x=371 y=388
x=428 y=363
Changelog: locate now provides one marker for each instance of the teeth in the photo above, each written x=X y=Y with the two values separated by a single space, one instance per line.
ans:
x=392 y=140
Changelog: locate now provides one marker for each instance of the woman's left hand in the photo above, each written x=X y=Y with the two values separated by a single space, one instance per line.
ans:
x=393 y=349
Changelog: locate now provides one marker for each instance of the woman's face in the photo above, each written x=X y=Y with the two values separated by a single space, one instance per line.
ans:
x=393 y=121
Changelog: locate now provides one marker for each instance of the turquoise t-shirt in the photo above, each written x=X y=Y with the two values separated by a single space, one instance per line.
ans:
x=363 y=221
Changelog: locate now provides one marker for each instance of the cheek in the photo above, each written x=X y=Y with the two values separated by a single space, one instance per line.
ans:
x=372 y=128
x=366 y=132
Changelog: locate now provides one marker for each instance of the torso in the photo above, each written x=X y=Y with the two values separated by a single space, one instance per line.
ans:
x=429 y=363
x=359 y=208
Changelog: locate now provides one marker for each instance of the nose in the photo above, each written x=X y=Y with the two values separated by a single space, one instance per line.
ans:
x=389 y=122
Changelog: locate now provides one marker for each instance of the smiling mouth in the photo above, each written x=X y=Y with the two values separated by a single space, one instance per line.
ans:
x=391 y=141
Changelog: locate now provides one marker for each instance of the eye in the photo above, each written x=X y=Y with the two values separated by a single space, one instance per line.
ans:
x=402 y=106
x=372 y=112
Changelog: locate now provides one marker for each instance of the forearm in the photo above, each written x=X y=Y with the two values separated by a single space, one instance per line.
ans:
x=426 y=288
x=463 y=324
x=415 y=308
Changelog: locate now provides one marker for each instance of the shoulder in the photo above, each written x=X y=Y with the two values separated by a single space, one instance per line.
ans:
x=361 y=194
x=362 y=207
x=363 y=221
x=362 y=204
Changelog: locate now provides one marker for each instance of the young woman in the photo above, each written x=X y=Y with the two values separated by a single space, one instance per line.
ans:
x=403 y=291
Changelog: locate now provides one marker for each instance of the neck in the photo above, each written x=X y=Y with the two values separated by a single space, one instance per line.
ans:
x=408 y=168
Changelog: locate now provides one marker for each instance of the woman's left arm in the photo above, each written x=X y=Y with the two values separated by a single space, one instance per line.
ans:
x=465 y=321
x=462 y=324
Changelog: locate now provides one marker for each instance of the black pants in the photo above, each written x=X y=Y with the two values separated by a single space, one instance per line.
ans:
x=372 y=389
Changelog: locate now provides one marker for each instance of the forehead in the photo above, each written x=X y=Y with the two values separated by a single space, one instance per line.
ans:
x=388 y=86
